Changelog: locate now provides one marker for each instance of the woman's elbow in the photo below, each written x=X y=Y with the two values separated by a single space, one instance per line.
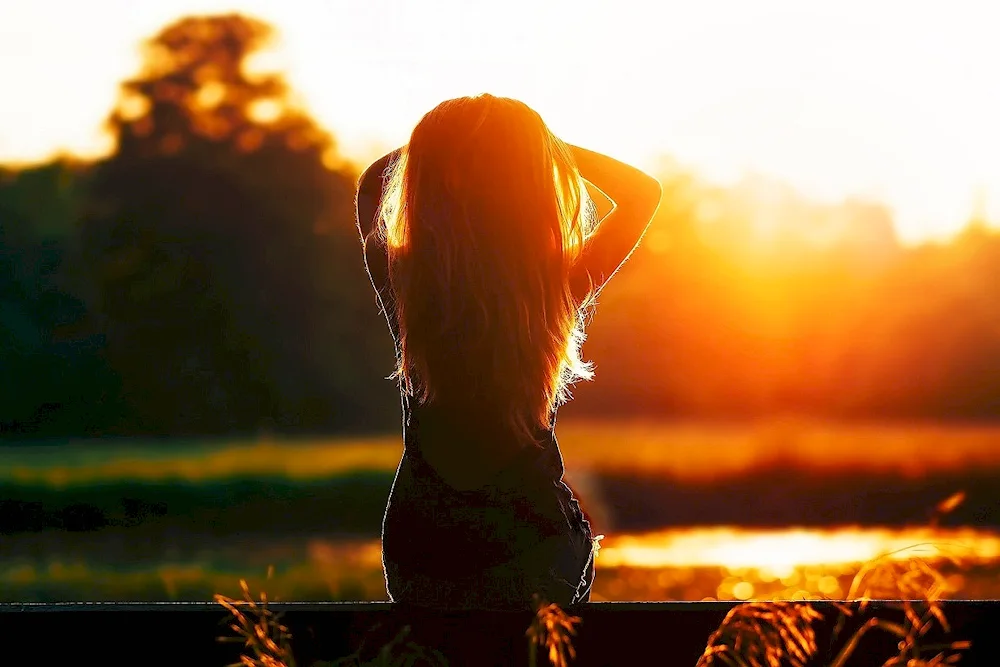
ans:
x=652 y=192
x=370 y=182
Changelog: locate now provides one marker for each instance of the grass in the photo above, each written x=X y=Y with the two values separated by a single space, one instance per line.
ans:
x=551 y=629
x=699 y=452
x=766 y=633
x=260 y=630
x=267 y=642
x=769 y=634
x=691 y=452
x=753 y=634
x=399 y=652
x=196 y=462
x=686 y=452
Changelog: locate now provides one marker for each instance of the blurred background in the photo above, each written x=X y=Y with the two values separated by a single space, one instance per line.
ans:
x=798 y=370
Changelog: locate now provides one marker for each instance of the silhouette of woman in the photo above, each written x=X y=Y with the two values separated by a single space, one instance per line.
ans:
x=486 y=255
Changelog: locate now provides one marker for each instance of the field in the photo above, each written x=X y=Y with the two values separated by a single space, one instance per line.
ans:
x=691 y=512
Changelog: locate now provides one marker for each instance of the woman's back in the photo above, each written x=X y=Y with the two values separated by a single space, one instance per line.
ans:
x=483 y=256
x=468 y=509
x=465 y=444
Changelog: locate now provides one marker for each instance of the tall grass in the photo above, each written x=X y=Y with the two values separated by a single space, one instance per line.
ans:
x=552 y=629
x=770 y=634
x=260 y=630
x=753 y=634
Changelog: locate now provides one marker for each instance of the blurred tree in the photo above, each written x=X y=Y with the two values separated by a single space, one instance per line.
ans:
x=925 y=343
x=767 y=304
x=53 y=380
x=230 y=279
x=208 y=275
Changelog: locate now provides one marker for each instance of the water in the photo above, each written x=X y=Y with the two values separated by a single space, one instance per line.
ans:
x=724 y=563
x=691 y=512
x=730 y=563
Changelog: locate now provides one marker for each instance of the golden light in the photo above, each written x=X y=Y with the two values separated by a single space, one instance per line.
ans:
x=837 y=98
x=133 y=107
x=828 y=585
x=210 y=95
x=779 y=552
x=743 y=590
x=690 y=453
x=705 y=452
x=265 y=111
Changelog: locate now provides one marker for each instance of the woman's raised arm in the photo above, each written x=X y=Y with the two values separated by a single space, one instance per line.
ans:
x=370 y=191
x=369 y=198
x=635 y=197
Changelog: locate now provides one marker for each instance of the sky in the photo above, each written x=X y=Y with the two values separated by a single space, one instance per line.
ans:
x=880 y=99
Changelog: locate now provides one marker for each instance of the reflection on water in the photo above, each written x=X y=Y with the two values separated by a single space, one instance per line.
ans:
x=780 y=550
x=681 y=564
x=224 y=523
x=720 y=563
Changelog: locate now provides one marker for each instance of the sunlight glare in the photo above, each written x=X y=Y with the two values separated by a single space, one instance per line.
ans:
x=837 y=98
x=265 y=111
x=780 y=551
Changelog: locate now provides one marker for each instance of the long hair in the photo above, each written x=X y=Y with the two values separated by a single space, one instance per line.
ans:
x=484 y=214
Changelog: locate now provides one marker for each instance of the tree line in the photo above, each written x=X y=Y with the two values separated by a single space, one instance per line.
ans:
x=206 y=279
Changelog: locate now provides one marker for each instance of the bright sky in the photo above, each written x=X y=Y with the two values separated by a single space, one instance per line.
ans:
x=886 y=99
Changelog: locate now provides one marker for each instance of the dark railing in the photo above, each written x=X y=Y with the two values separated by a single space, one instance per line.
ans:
x=610 y=633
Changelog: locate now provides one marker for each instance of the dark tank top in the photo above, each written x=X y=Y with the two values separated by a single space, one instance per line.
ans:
x=488 y=515
x=435 y=529
x=489 y=502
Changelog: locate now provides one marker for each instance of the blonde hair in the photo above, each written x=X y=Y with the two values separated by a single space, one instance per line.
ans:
x=484 y=215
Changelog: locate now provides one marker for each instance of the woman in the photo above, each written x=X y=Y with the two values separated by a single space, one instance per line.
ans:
x=483 y=246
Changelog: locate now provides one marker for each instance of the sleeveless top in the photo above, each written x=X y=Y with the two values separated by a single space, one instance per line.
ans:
x=436 y=531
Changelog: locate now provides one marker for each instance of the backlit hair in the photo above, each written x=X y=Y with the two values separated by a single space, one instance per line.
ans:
x=484 y=214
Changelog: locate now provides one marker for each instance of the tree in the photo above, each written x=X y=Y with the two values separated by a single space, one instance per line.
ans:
x=53 y=381
x=231 y=282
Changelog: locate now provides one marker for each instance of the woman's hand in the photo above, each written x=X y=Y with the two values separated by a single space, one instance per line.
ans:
x=634 y=196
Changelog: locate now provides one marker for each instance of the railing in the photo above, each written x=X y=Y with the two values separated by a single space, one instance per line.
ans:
x=610 y=633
